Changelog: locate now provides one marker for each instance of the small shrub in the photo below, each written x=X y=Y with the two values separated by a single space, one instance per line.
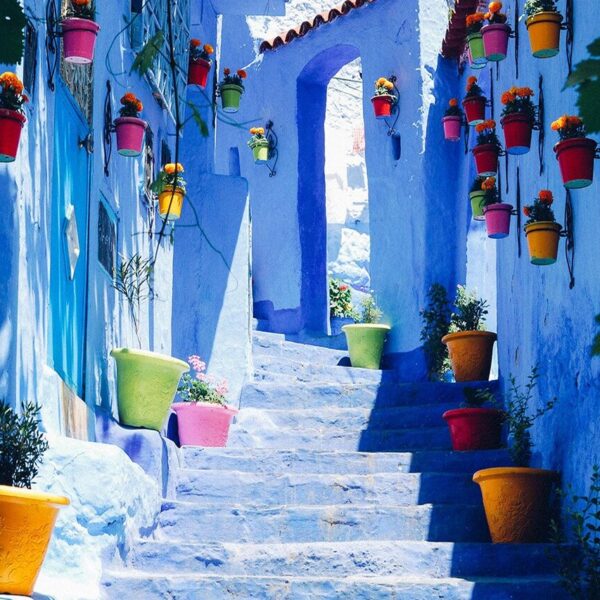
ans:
x=436 y=324
x=470 y=311
x=370 y=312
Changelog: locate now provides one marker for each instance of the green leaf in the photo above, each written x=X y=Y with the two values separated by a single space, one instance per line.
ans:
x=12 y=24
x=197 y=117
x=584 y=71
x=147 y=55
x=594 y=48
x=589 y=105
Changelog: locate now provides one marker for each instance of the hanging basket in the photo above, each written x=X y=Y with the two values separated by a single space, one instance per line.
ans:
x=495 y=41
x=517 y=133
x=79 y=40
x=260 y=151
x=230 y=97
x=452 y=128
x=475 y=109
x=170 y=203
x=130 y=135
x=198 y=71
x=497 y=220
x=576 y=160
x=486 y=159
x=544 y=33
x=475 y=43
x=383 y=105
x=542 y=239
x=11 y=126
x=477 y=205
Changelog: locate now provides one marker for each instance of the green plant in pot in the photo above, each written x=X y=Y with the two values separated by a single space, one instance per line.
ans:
x=517 y=498
x=436 y=324
x=146 y=381
x=27 y=516
x=341 y=311
x=231 y=89
x=367 y=338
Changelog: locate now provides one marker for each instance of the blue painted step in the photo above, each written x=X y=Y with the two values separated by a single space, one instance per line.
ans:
x=268 y=344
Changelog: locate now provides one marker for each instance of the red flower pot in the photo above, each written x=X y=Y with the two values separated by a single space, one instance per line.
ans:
x=11 y=125
x=198 y=72
x=495 y=41
x=79 y=40
x=452 y=125
x=475 y=109
x=382 y=105
x=130 y=135
x=497 y=220
x=517 y=133
x=474 y=428
x=576 y=159
x=486 y=159
x=203 y=424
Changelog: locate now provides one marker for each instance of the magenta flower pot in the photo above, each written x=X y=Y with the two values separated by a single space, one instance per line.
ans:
x=497 y=220
x=130 y=135
x=495 y=41
x=452 y=126
x=79 y=40
x=203 y=424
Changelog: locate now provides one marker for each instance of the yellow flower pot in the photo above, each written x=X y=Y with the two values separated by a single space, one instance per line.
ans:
x=544 y=33
x=542 y=239
x=170 y=203
x=27 y=520
x=470 y=354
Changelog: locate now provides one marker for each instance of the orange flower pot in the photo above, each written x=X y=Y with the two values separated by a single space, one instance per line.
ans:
x=544 y=33
x=542 y=239
x=517 y=503
x=170 y=204
x=27 y=520
x=470 y=354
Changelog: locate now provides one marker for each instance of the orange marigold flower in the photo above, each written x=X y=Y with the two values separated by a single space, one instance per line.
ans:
x=574 y=121
x=208 y=49
x=506 y=98
x=453 y=102
x=469 y=20
x=226 y=71
x=480 y=127
x=472 y=80
x=139 y=106
x=562 y=122
x=80 y=2
x=170 y=168
x=546 y=197
x=495 y=7
x=128 y=97
x=527 y=211
x=555 y=126
x=491 y=124
x=194 y=42
x=488 y=15
x=242 y=74
x=488 y=184
x=380 y=81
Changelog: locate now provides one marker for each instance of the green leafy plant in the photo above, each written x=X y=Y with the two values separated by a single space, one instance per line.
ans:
x=370 y=312
x=469 y=313
x=477 y=397
x=81 y=9
x=230 y=78
x=22 y=445
x=541 y=209
x=340 y=300
x=169 y=178
x=12 y=26
x=533 y=7
x=385 y=87
x=197 y=386
x=436 y=324
x=596 y=343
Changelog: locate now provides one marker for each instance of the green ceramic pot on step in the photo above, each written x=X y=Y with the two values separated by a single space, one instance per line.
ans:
x=230 y=97
x=365 y=344
x=146 y=385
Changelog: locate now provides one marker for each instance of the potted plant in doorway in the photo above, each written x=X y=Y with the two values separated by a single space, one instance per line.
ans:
x=171 y=189
x=488 y=149
x=129 y=127
x=497 y=213
x=476 y=195
x=474 y=39
x=203 y=418
x=259 y=144
x=517 y=499
x=496 y=33
x=27 y=516
x=518 y=119
x=231 y=89
x=367 y=338
x=12 y=117
x=199 y=63
x=341 y=311
x=385 y=100
x=452 y=121
x=543 y=22
x=79 y=31
x=474 y=102
x=542 y=230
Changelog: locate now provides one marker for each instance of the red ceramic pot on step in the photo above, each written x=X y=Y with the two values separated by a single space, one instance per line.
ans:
x=497 y=220
x=11 y=126
x=576 y=159
x=517 y=133
x=474 y=428
x=475 y=109
x=486 y=159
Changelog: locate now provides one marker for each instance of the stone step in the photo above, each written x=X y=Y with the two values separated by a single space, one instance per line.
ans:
x=217 y=587
x=268 y=460
x=190 y=522
x=340 y=559
x=220 y=487
x=275 y=345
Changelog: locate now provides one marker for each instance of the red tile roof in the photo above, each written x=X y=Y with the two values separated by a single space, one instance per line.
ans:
x=317 y=21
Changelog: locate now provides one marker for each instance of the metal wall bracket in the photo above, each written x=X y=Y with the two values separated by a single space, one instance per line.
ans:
x=108 y=129
x=52 y=45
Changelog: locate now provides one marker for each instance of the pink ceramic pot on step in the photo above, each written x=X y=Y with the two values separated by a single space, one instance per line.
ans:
x=203 y=424
x=497 y=220
x=130 y=135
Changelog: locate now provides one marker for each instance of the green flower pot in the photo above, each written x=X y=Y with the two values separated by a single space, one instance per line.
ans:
x=261 y=152
x=146 y=385
x=230 y=97
x=477 y=205
x=475 y=42
x=365 y=344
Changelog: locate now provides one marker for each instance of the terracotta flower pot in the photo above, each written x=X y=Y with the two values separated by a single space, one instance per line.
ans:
x=260 y=151
x=230 y=97
x=544 y=33
x=383 y=105
x=495 y=41
x=542 y=239
x=79 y=40
x=452 y=128
x=198 y=71
x=517 y=133
x=475 y=109
x=477 y=205
x=130 y=135
x=474 y=428
x=497 y=220
x=517 y=503
x=576 y=160
x=365 y=344
x=203 y=424
x=475 y=43
x=11 y=126
x=470 y=354
x=170 y=204
x=486 y=159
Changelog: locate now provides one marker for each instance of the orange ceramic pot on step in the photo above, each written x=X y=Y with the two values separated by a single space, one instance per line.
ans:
x=470 y=354
x=517 y=503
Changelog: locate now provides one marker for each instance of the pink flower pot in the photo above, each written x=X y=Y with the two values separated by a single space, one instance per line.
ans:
x=497 y=220
x=130 y=135
x=495 y=41
x=203 y=424
x=452 y=125
x=11 y=125
x=79 y=40
x=198 y=72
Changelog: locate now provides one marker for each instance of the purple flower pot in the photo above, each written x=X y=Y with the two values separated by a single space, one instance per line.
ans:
x=495 y=41
x=130 y=135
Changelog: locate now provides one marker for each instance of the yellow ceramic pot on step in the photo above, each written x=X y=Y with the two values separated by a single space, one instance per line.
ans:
x=170 y=203
x=544 y=33
x=470 y=354
x=27 y=520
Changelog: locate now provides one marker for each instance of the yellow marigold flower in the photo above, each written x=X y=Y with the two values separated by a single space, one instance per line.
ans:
x=252 y=130
x=563 y=122
x=388 y=85
x=260 y=131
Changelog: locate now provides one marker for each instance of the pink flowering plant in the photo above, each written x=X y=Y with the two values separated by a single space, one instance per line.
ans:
x=197 y=386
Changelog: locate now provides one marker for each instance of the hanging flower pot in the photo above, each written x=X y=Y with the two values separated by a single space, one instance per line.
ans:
x=170 y=187
x=452 y=121
x=474 y=102
x=129 y=127
x=544 y=33
x=576 y=160
x=474 y=428
x=231 y=90
x=199 y=64
x=79 y=32
x=517 y=133
x=470 y=354
x=474 y=22
x=260 y=145
x=496 y=33
x=477 y=205
x=486 y=159
x=472 y=63
x=12 y=118
x=542 y=230
x=497 y=220
x=384 y=99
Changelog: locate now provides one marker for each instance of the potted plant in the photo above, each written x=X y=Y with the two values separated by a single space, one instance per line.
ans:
x=79 y=31
x=259 y=144
x=497 y=213
x=436 y=324
x=470 y=347
x=367 y=338
x=203 y=418
x=171 y=190
x=496 y=33
x=129 y=127
x=474 y=39
x=12 y=117
x=487 y=150
x=575 y=152
x=542 y=230
x=543 y=22
x=452 y=121
x=475 y=426
x=231 y=89
x=384 y=100
x=27 y=516
x=516 y=499
x=199 y=63
x=518 y=119
x=341 y=311
x=474 y=102
x=476 y=195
